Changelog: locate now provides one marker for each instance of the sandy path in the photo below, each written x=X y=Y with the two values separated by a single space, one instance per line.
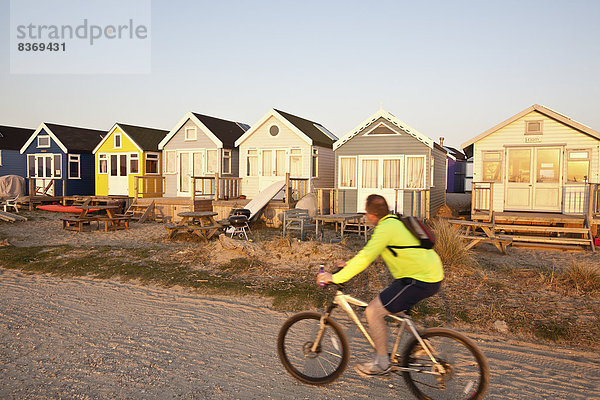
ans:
x=86 y=339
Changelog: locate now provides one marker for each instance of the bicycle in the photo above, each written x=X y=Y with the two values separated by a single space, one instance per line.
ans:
x=314 y=349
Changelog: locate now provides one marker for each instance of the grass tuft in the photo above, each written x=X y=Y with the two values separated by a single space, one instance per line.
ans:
x=583 y=276
x=450 y=247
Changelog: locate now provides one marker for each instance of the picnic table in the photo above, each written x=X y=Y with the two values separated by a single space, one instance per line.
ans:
x=476 y=232
x=104 y=213
x=202 y=223
x=341 y=220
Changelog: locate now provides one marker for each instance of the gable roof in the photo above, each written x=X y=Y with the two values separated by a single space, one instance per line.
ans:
x=542 y=110
x=457 y=154
x=69 y=138
x=13 y=138
x=391 y=118
x=222 y=132
x=145 y=139
x=312 y=132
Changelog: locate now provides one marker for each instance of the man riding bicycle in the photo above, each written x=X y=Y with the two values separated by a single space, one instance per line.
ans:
x=417 y=273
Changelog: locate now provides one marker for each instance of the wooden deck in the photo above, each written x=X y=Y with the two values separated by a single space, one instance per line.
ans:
x=167 y=208
x=530 y=218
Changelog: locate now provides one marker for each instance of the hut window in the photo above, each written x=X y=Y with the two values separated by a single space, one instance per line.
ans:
x=274 y=130
x=31 y=166
x=43 y=141
x=57 y=161
x=102 y=164
x=279 y=162
x=348 y=172
x=117 y=140
x=392 y=174
x=152 y=163
x=296 y=162
x=315 y=163
x=134 y=163
x=211 y=161
x=170 y=162
x=227 y=161
x=519 y=165
x=415 y=172
x=190 y=133
x=252 y=163
x=578 y=166
x=490 y=166
x=533 y=127
x=74 y=166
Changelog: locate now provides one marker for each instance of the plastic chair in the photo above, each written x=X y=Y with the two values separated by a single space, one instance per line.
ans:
x=10 y=202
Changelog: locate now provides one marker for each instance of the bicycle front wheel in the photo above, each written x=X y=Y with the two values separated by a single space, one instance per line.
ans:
x=462 y=372
x=295 y=343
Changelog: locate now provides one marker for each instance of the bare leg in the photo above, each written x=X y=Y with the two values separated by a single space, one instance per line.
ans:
x=377 y=326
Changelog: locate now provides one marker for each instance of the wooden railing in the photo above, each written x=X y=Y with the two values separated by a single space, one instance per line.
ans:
x=47 y=188
x=419 y=202
x=593 y=210
x=217 y=187
x=482 y=198
x=575 y=199
x=332 y=194
x=295 y=188
x=148 y=186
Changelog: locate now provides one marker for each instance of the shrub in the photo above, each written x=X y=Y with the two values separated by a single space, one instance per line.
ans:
x=450 y=247
x=584 y=276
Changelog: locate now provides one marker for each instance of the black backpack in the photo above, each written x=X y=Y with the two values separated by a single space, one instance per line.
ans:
x=419 y=229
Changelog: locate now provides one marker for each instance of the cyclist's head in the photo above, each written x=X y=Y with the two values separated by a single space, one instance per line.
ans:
x=377 y=206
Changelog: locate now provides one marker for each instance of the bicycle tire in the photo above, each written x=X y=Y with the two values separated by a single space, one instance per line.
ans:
x=295 y=338
x=454 y=351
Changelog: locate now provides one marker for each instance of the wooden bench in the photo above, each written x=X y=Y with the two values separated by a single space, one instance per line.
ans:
x=77 y=224
x=114 y=224
x=475 y=232
x=205 y=232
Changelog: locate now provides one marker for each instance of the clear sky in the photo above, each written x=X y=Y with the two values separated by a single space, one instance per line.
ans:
x=447 y=68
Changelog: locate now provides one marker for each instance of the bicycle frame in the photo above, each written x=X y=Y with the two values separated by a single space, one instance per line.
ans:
x=344 y=301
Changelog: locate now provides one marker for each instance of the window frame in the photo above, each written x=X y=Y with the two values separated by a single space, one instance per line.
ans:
x=226 y=162
x=500 y=160
x=406 y=157
x=167 y=153
x=293 y=155
x=188 y=138
x=540 y=132
x=103 y=157
x=254 y=157
x=314 y=163
x=355 y=158
x=118 y=135
x=150 y=157
x=207 y=170
x=72 y=158
x=569 y=158
x=136 y=157
x=44 y=146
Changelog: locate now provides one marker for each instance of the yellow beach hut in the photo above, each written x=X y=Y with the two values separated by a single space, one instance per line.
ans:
x=126 y=152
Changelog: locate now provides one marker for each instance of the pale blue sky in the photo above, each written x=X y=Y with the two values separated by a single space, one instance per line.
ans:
x=448 y=68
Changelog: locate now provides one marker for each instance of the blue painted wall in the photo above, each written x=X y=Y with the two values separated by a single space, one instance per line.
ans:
x=84 y=186
x=13 y=163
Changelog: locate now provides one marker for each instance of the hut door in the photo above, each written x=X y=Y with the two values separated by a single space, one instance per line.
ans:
x=117 y=178
x=380 y=175
x=533 y=179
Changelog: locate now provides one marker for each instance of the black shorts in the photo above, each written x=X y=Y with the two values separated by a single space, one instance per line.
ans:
x=404 y=293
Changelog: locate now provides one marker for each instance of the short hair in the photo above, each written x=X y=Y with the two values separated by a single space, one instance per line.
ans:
x=377 y=205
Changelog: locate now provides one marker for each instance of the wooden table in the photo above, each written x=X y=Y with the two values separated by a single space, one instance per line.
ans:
x=202 y=223
x=343 y=220
x=111 y=220
x=476 y=232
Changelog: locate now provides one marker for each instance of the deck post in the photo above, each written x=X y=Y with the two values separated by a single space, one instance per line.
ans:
x=491 y=212
x=331 y=202
x=288 y=189
x=217 y=194
x=64 y=191
x=590 y=209
x=192 y=189
x=135 y=186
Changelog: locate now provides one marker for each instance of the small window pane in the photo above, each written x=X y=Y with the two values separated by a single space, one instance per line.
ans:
x=211 y=161
x=415 y=172
x=171 y=161
x=369 y=173
x=252 y=167
x=519 y=166
x=578 y=171
x=267 y=163
x=134 y=164
x=348 y=172
x=392 y=174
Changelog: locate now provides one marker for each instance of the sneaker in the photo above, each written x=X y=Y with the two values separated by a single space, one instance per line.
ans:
x=371 y=368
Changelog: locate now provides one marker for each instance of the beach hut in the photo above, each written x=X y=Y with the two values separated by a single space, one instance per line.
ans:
x=201 y=146
x=384 y=155
x=60 y=160
x=281 y=144
x=12 y=162
x=539 y=164
x=457 y=168
x=128 y=162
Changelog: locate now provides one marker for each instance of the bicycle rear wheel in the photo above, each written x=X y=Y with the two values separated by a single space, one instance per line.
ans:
x=465 y=370
x=294 y=344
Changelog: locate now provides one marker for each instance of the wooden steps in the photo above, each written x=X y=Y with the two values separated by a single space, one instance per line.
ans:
x=140 y=212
